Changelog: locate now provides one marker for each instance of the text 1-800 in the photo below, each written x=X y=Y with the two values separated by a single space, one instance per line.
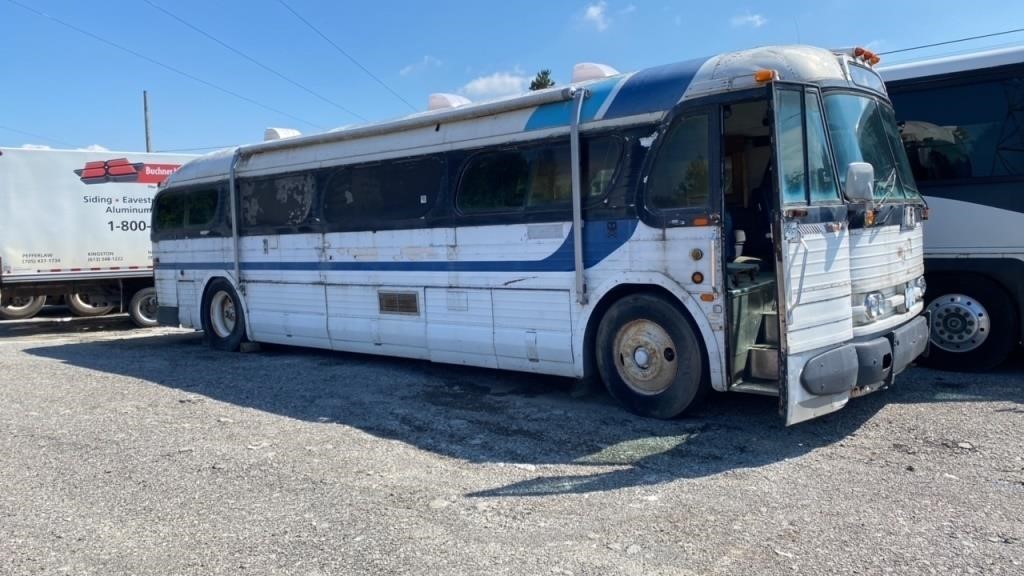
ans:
x=128 y=225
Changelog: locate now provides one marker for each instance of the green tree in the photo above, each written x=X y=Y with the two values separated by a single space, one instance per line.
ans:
x=542 y=81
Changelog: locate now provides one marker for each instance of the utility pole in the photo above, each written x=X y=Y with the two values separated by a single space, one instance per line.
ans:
x=145 y=110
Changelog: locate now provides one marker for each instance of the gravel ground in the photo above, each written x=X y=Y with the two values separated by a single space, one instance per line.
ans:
x=142 y=452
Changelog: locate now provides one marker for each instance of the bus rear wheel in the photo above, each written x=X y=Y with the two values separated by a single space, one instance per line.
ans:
x=649 y=357
x=86 y=304
x=222 y=316
x=974 y=324
x=21 y=307
x=143 y=308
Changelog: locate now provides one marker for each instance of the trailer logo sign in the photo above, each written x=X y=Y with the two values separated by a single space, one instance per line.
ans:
x=121 y=170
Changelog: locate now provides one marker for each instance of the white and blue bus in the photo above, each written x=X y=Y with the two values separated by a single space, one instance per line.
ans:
x=705 y=225
x=962 y=122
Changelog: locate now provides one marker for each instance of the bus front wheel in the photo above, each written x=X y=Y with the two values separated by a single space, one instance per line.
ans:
x=649 y=357
x=222 y=316
x=973 y=324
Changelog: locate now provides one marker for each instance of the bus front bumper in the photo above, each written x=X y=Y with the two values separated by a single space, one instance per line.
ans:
x=862 y=367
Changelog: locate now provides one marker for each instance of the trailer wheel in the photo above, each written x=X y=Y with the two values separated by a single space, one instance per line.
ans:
x=649 y=357
x=222 y=316
x=21 y=307
x=143 y=308
x=87 y=305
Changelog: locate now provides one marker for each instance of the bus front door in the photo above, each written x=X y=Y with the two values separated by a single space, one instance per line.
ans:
x=811 y=237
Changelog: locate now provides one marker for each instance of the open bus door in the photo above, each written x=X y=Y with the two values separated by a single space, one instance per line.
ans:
x=817 y=367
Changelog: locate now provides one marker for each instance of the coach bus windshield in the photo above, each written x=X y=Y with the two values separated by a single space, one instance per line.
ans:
x=864 y=130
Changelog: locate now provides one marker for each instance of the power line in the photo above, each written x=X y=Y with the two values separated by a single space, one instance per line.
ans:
x=346 y=54
x=253 y=60
x=40 y=136
x=162 y=65
x=952 y=41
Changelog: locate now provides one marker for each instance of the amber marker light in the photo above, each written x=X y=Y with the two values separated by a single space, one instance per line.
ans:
x=765 y=75
x=697 y=277
x=706 y=297
x=869 y=218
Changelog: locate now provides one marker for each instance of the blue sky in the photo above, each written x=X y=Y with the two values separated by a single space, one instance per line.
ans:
x=67 y=89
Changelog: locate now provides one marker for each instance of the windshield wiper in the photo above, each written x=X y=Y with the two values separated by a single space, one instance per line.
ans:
x=890 y=181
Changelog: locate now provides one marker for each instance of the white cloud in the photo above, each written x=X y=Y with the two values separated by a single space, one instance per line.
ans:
x=36 y=147
x=95 y=148
x=428 y=61
x=596 y=14
x=748 y=19
x=497 y=85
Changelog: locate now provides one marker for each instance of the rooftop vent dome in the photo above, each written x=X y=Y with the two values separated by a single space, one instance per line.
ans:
x=442 y=101
x=280 y=134
x=591 y=71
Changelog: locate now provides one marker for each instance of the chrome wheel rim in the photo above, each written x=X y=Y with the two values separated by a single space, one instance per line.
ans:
x=222 y=314
x=959 y=323
x=83 y=302
x=645 y=357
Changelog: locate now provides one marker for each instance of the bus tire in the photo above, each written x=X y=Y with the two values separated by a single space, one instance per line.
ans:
x=21 y=307
x=974 y=324
x=143 y=308
x=649 y=357
x=223 y=318
x=80 y=304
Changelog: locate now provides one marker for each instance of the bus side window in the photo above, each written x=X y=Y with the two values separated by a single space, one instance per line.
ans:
x=494 y=182
x=359 y=196
x=679 y=177
x=201 y=207
x=279 y=201
x=170 y=212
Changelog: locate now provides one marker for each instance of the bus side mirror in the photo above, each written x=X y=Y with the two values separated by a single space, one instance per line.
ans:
x=860 y=182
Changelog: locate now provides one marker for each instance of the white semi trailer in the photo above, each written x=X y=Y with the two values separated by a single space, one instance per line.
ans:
x=74 y=225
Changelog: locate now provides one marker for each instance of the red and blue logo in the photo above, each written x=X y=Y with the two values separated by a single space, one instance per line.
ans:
x=121 y=170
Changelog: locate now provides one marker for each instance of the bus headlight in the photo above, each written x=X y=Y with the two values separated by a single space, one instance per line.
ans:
x=873 y=305
x=921 y=285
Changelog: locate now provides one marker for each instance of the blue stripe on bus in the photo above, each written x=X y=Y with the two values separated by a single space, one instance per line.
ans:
x=560 y=113
x=600 y=239
x=654 y=90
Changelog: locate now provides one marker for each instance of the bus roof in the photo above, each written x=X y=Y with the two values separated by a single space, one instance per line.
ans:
x=952 y=64
x=642 y=96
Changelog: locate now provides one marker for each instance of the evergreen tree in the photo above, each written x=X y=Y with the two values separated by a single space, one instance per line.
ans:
x=543 y=80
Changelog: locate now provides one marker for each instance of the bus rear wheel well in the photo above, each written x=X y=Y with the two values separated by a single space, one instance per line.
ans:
x=591 y=374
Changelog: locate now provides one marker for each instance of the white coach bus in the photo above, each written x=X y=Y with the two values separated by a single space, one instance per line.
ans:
x=962 y=122
x=702 y=225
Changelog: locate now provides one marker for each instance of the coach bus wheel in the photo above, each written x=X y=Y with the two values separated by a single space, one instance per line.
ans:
x=973 y=324
x=222 y=316
x=21 y=307
x=143 y=307
x=85 y=304
x=649 y=357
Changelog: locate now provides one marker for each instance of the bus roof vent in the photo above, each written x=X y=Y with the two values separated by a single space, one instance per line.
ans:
x=441 y=101
x=280 y=134
x=591 y=71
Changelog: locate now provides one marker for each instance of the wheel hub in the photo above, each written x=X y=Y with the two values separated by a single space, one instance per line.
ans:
x=959 y=323
x=645 y=357
x=222 y=314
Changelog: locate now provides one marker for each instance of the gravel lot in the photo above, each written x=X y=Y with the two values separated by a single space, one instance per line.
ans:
x=142 y=452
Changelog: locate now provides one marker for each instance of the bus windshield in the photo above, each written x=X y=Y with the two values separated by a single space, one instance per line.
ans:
x=863 y=130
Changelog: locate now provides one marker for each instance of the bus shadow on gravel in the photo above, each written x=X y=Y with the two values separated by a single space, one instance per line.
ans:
x=483 y=416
